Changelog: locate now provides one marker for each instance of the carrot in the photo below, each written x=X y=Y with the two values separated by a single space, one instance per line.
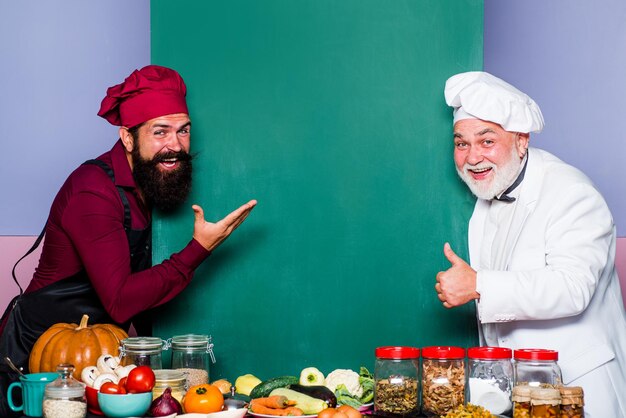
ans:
x=259 y=408
x=276 y=401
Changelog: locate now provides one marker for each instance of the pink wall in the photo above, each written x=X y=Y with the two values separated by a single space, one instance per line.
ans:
x=11 y=249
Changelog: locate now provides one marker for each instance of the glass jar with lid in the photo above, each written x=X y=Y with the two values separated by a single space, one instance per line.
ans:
x=545 y=403
x=490 y=378
x=443 y=379
x=142 y=351
x=520 y=396
x=572 y=402
x=536 y=367
x=174 y=379
x=65 y=396
x=190 y=354
x=397 y=379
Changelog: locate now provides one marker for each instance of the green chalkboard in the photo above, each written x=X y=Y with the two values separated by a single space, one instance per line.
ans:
x=331 y=114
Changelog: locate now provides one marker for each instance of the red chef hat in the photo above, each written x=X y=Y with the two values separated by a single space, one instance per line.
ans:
x=146 y=94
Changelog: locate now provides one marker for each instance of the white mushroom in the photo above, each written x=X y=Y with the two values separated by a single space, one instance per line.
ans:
x=107 y=363
x=89 y=375
x=105 y=377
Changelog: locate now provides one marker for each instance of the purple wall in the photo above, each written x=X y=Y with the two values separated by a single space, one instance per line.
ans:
x=57 y=59
x=570 y=56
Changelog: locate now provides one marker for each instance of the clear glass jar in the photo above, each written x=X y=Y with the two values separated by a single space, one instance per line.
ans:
x=174 y=379
x=537 y=367
x=190 y=354
x=443 y=379
x=572 y=402
x=490 y=378
x=65 y=396
x=545 y=403
x=521 y=401
x=142 y=351
x=397 y=378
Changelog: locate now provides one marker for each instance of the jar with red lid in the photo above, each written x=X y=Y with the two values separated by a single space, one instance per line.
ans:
x=490 y=378
x=397 y=379
x=536 y=367
x=443 y=379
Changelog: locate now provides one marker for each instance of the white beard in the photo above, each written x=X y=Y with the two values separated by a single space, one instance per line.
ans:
x=502 y=178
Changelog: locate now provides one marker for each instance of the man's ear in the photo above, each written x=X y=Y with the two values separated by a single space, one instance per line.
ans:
x=127 y=138
x=521 y=143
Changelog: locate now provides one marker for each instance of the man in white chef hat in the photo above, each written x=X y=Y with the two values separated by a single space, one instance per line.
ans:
x=541 y=245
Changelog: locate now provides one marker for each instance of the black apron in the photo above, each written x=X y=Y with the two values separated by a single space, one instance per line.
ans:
x=65 y=301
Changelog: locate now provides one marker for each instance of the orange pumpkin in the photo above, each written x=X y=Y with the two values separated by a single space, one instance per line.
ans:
x=80 y=345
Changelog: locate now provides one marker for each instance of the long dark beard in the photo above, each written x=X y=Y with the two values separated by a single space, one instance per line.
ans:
x=165 y=190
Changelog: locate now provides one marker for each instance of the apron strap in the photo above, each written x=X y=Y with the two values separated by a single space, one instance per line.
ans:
x=33 y=248
x=120 y=190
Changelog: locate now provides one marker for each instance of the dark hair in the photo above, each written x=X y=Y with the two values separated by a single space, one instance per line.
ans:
x=134 y=131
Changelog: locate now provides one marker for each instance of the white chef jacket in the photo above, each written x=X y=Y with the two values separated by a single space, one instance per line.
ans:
x=547 y=279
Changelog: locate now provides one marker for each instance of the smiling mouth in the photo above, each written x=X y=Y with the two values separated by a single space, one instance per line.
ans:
x=169 y=163
x=479 y=173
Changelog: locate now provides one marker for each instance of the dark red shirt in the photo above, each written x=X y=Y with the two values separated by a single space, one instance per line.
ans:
x=85 y=232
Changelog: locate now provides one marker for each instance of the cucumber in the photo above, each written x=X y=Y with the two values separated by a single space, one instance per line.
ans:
x=308 y=404
x=264 y=389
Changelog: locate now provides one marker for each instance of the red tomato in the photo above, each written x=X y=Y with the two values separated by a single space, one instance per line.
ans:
x=111 y=388
x=122 y=385
x=140 y=379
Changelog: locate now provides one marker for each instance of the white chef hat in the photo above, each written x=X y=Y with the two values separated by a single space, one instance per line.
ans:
x=480 y=95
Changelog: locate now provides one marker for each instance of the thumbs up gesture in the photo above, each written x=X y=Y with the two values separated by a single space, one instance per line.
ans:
x=457 y=285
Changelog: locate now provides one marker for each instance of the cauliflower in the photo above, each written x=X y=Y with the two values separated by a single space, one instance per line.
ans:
x=346 y=377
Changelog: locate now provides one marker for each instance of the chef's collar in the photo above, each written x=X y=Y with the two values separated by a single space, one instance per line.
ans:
x=504 y=196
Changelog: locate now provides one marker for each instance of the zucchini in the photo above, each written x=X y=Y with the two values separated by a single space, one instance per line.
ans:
x=308 y=404
x=264 y=389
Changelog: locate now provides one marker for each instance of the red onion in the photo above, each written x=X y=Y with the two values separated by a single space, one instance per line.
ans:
x=165 y=405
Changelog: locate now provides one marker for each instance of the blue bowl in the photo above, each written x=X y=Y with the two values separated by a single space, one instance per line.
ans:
x=128 y=405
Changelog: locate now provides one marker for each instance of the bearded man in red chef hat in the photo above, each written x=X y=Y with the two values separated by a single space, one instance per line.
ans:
x=97 y=257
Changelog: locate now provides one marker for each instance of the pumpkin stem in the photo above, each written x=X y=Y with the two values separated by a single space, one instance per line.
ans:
x=83 y=321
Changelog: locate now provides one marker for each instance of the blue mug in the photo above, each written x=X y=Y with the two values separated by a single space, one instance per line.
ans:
x=32 y=386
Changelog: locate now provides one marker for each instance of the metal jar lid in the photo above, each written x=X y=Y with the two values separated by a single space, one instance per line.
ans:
x=142 y=345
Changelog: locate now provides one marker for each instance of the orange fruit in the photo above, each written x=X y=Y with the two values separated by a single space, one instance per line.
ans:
x=327 y=413
x=203 y=399
x=349 y=411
